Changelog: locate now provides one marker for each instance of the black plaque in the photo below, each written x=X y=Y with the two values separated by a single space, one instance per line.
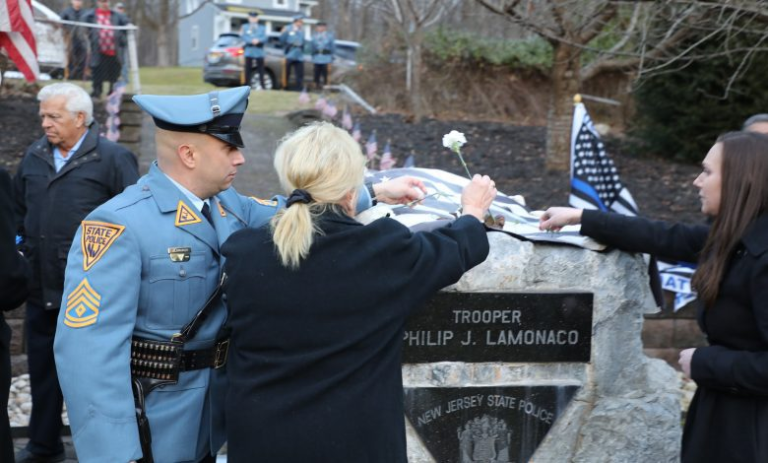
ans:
x=502 y=424
x=501 y=327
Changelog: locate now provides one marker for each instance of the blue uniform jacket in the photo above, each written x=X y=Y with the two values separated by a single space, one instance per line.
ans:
x=292 y=41
x=323 y=47
x=121 y=282
x=125 y=285
x=250 y=32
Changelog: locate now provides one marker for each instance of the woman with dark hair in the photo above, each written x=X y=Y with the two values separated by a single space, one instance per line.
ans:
x=318 y=303
x=728 y=417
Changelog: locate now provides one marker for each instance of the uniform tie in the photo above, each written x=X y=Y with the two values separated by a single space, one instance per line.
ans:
x=207 y=214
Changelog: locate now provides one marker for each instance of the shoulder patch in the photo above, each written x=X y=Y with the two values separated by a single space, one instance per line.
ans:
x=264 y=202
x=185 y=215
x=82 y=306
x=96 y=238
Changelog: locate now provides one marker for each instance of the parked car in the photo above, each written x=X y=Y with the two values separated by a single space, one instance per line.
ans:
x=224 y=63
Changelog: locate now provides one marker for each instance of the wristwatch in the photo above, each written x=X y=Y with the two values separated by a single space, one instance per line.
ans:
x=372 y=194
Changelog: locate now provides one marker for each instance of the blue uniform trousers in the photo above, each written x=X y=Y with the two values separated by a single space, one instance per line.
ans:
x=47 y=401
x=299 y=70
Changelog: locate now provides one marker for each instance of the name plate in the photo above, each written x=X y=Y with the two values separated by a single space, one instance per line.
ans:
x=501 y=327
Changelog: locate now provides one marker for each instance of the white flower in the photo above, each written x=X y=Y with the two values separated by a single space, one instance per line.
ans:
x=454 y=140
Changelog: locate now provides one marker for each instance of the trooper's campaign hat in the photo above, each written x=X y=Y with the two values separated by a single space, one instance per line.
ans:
x=217 y=113
x=254 y=13
x=298 y=17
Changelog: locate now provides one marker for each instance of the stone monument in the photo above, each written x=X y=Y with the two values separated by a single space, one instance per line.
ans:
x=536 y=355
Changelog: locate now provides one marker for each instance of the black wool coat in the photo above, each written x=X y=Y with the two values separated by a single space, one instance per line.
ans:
x=728 y=417
x=50 y=205
x=315 y=363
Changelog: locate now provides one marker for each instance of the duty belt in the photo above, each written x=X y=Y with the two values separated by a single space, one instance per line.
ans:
x=163 y=360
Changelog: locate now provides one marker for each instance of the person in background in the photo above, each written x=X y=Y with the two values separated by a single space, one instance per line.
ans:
x=142 y=267
x=76 y=39
x=106 y=43
x=122 y=52
x=318 y=303
x=323 y=49
x=728 y=417
x=13 y=291
x=255 y=36
x=62 y=177
x=756 y=123
x=292 y=41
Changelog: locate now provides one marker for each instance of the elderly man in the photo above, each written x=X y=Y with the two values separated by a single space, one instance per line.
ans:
x=140 y=346
x=63 y=176
x=292 y=41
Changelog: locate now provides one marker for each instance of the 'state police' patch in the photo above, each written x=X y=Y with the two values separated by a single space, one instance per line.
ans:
x=96 y=238
x=82 y=306
x=264 y=202
x=185 y=215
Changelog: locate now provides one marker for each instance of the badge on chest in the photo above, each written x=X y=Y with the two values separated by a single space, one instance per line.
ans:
x=181 y=254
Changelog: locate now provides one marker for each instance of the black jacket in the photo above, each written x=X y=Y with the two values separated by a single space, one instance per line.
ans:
x=51 y=205
x=116 y=19
x=728 y=417
x=13 y=267
x=316 y=374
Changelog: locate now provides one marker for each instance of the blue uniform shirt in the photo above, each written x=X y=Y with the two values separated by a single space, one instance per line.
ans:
x=293 y=43
x=323 y=47
x=249 y=32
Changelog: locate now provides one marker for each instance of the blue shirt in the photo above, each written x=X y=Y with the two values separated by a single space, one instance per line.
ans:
x=59 y=160
x=197 y=202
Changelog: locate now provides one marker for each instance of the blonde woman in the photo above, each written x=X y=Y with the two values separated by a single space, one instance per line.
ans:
x=317 y=307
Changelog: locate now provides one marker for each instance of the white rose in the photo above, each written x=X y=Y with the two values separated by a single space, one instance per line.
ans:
x=454 y=140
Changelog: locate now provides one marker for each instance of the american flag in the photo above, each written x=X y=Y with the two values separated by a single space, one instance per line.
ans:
x=409 y=161
x=356 y=135
x=387 y=161
x=443 y=199
x=595 y=182
x=304 y=96
x=17 y=37
x=330 y=110
x=346 y=120
x=371 y=146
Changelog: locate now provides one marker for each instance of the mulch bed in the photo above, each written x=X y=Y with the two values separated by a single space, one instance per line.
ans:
x=512 y=155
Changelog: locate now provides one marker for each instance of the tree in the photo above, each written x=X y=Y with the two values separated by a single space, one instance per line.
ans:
x=413 y=18
x=636 y=37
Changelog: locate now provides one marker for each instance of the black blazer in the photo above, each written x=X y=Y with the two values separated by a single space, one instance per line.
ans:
x=315 y=365
x=728 y=418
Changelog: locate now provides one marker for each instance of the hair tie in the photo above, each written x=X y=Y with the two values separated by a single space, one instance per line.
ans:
x=299 y=196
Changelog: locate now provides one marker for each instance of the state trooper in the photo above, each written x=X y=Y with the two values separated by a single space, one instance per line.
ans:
x=255 y=36
x=139 y=344
x=323 y=49
x=292 y=41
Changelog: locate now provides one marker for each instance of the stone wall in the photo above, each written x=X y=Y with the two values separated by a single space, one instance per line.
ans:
x=627 y=408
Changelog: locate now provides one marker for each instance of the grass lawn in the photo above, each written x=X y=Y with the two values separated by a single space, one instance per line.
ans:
x=189 y=80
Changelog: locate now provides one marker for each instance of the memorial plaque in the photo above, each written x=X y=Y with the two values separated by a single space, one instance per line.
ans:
x=501 y=327
x=503 y=424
